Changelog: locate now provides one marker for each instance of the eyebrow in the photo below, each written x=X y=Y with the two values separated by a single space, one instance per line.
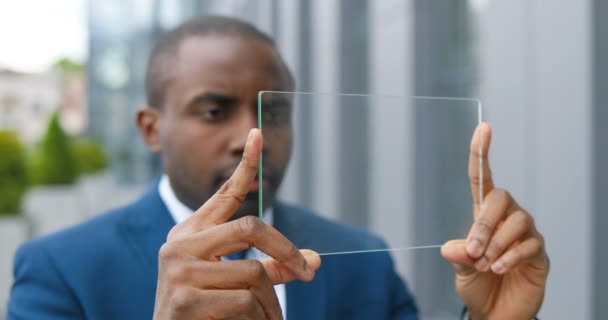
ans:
x=218 y=98
x=276 y=98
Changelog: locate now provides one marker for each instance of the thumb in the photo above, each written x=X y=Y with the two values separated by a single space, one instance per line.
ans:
x=279 y=273
x=454 y=251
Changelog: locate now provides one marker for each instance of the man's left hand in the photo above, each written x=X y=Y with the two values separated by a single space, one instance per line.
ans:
x=501 y=267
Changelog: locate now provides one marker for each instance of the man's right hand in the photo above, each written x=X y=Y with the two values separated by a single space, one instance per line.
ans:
x=193 y=281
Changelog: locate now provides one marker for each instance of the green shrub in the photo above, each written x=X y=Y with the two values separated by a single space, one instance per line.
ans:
x=53 y=161
x=90 y=157
x=13 y=173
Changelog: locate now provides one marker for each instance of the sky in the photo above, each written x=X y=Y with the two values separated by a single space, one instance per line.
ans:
x=36 y=33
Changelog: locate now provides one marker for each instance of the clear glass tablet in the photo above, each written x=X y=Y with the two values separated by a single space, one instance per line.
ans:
x=372 y=177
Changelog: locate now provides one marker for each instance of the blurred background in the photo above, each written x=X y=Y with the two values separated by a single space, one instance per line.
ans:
x=72 y=76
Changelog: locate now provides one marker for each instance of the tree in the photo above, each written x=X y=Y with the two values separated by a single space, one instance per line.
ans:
x=13 y=173
x=54 y=162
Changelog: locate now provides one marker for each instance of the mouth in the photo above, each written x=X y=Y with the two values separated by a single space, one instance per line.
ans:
x=254 y=186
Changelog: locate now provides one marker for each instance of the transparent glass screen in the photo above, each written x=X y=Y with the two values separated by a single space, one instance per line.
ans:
x=367 y=173
x=372 y=180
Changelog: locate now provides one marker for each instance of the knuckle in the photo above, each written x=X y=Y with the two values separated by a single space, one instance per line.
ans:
x=475 y=152
x=502 y=195
x=246 y=301
x=516 y=255
x=167 y=252
x=293 y=252
x=536 y=247
x=249 y=226
x=180 y=272
x=495 y=248
x=173 y=274
x=476 y=180
x=256 y=270
x=483 y=227
x=182 y=299
x=227 y=192
x=248 y=162
x=522 y=219
x=174 y=232
x=180 y=231
x=277 y=274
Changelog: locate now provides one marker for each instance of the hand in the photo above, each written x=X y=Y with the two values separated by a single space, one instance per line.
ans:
x=502 y=266
x=193 y=281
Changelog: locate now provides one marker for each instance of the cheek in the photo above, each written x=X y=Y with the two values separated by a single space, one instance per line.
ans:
x=188 y=150
x=280 y=145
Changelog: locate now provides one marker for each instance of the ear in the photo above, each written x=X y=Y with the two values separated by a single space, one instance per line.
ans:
x=148 y=120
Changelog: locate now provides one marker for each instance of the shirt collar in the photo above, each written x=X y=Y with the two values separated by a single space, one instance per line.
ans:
x=180 y=212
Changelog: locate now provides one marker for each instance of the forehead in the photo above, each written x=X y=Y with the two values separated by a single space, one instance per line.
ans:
x=236 y=64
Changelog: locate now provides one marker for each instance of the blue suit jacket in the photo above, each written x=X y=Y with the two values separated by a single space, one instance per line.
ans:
x=107 y=269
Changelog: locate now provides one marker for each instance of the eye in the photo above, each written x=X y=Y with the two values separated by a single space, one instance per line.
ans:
x=213 y=113
x=276 y=116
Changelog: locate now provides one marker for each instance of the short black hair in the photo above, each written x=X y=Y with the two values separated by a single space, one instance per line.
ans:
x=164 y=51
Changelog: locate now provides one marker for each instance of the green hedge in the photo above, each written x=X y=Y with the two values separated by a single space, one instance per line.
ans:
x=53 y=161
x=58 y=159
x=90 y=156
x=13 y=173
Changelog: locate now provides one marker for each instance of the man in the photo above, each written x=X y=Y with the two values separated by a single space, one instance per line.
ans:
x=166 y=256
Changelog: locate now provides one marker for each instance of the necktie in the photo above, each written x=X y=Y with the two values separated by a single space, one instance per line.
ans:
x=237 y=255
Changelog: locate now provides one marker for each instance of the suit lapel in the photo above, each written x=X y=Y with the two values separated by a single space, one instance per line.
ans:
x=304 y=300
x=146 y=227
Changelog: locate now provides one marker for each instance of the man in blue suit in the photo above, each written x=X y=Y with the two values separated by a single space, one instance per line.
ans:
x=177 y=253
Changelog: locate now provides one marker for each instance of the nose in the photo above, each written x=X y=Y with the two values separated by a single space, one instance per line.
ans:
x=242 y=124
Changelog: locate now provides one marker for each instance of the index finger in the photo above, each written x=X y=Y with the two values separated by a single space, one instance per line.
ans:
x=222 y=205
x=480 y=174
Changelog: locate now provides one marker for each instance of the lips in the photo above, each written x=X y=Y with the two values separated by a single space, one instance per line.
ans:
x=254 y=186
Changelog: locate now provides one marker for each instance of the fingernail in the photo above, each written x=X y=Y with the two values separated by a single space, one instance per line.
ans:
x=482 y=264
x=499 y=267
x=474 y=248
x=307 y=269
